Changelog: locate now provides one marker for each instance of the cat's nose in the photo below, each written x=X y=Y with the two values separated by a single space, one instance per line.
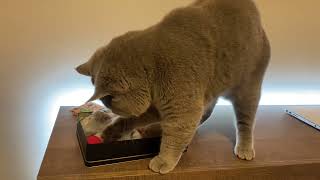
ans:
x=106 y=100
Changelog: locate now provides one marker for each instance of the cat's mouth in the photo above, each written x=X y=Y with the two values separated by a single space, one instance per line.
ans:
x=106 y=100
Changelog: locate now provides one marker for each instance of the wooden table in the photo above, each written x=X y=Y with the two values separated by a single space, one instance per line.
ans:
x=285 y=149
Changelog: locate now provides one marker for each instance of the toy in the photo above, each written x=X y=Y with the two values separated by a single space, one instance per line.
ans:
x=89 y=107
x=90 y=116
x=84 y=114
x=94 y=139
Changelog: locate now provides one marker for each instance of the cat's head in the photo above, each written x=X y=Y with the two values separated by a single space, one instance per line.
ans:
x=120 y=77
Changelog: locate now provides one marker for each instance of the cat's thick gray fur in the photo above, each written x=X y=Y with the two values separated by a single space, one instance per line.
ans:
x=179 y=67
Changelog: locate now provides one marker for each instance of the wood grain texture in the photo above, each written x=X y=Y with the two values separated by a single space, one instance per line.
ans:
x=285 y=149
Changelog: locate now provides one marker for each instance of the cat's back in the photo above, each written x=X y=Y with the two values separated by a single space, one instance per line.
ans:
x=217 y=33
x=215 y=22
x=233 y=6
x=232 y=16
x=206 y=12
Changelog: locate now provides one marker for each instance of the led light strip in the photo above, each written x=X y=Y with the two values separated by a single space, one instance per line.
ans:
x=79 y=96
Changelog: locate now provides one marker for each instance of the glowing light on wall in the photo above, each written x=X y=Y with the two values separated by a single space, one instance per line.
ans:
x=79 y=96
x=75 y=97
x=286 y=98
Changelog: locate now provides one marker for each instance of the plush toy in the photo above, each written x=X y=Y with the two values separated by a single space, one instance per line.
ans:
x=84 y=114
x=95 y=139
x=89 y=107
x=95 y=118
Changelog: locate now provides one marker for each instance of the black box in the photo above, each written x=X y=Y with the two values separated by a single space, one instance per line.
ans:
x=118 y=151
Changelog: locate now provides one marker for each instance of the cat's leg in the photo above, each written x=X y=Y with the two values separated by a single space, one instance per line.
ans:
x=178 y=126
x=245 y=100
x=152 y=130
x=208 y=110
x=124 y=125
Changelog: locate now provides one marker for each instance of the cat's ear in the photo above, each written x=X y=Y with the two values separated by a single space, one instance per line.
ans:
x=84 y=69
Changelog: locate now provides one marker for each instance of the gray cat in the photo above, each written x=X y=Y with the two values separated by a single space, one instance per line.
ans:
x=173 y=72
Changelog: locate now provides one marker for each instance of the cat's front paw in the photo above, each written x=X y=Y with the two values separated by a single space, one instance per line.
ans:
x=244 y=152
x=162 y=166
x=112 y=133
x=130 y=135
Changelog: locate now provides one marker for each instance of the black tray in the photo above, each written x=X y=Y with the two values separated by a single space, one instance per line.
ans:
x=114 y=152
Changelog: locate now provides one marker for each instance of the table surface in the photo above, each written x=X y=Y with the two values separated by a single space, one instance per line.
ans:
x=284 y=146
